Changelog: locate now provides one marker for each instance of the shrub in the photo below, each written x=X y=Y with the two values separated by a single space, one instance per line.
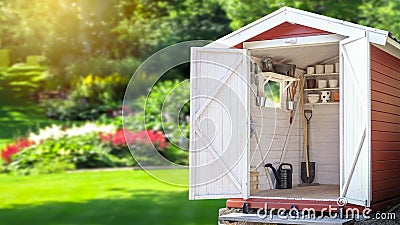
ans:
x=55 y=149
x=102 y=66
x=92 y=97
x=55 y=155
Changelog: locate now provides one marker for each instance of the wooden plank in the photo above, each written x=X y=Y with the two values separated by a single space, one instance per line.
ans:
x=386 y=194
x=383 y=96
x=385 y=184
x=286 y=203
x=379 y=86
x=385 y=155
x=254 y=218
x=385 y=165
x=384 y=126
x=385 y=136
x=382 y=69
x=385 y=145
x=385 y=117
x=385 y=175
x=384 y=58
x=378 y=205
x=287 y=30
x=384 y=107
x=384 y=79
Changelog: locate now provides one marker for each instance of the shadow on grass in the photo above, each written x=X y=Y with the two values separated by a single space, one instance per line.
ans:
x=143 y=207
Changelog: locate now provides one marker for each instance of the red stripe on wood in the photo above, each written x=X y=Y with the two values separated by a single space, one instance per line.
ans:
x=381 y=78
x=383 y=126
x=375 y=206
x=257 y=203
x=287 y=30
x=385 y=146
x=385 y=117
x=384 y=136
x=385 y=165
x=239 y=46
x=385 y=184
x=385 y=175
x=387 y=98
x=381 y=87
x=385 y=155
x=375 y=66
x=386 y=194
x=385 y=58
x=384 y=107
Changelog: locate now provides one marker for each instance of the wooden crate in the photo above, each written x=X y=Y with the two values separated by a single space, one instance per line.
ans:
x=254 y=182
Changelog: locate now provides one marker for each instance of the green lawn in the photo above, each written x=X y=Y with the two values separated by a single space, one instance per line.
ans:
x=103 y=197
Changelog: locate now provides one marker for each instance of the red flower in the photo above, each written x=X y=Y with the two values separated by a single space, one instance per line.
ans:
x=145 y=137
x=14 y=148
x=106 y=137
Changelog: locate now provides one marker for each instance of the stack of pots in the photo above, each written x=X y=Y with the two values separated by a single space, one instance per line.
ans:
x=324 y=95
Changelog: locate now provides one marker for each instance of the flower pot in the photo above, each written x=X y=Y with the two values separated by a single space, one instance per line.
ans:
x=313 y=98
x=335 y=96
x=325 y=96
x=319 y=69
x=322 y=83
x=329 y=68
x=311 y=83
x=310 y=70
x=333 y=83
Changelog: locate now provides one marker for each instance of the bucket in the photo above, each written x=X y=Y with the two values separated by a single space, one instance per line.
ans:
x=261 y=101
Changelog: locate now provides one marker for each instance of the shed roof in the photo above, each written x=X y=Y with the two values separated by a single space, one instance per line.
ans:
x=296 y=16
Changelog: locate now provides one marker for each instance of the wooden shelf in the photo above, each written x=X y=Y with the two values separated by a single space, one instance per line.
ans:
x=321 y=74
x=323 y=103
x=321 y=89
x=278 y=77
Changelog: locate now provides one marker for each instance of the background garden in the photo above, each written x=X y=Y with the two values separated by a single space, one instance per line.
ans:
x=64 y=68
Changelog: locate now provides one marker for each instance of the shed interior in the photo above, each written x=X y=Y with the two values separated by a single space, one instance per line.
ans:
x=276 y=141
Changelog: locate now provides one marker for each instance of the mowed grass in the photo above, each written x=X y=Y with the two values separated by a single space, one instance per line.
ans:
x=102 y=197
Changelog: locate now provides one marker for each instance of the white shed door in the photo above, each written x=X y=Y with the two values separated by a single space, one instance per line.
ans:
x=355 y=174
x=219 y=110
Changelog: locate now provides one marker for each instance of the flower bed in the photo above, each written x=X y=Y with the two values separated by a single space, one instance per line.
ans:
x=56 y=148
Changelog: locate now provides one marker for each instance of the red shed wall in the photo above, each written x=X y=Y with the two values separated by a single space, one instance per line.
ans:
x=385 y=128
x=285 y=30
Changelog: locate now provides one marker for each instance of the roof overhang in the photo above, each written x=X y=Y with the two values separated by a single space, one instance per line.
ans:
x=296 y=16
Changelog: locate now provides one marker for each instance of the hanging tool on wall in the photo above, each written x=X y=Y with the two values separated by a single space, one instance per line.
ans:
x=291 y=103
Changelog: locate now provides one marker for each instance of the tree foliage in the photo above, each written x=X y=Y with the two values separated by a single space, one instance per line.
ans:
x=71 y=31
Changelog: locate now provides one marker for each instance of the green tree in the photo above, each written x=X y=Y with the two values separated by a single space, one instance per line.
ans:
x=382 y=14
x=243 y=12
x=148 y=25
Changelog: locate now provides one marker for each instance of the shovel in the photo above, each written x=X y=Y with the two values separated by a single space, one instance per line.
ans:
x=307 y=167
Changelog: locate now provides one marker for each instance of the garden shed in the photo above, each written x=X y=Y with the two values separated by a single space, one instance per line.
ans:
x=236 y=128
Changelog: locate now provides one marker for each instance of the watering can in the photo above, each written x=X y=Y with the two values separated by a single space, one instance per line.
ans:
x=283 y=176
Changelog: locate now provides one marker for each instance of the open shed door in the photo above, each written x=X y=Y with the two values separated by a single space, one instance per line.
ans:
x=355 y=117
x=219 y=129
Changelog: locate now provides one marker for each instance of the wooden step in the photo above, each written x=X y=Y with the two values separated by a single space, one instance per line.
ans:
x=253 y=218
